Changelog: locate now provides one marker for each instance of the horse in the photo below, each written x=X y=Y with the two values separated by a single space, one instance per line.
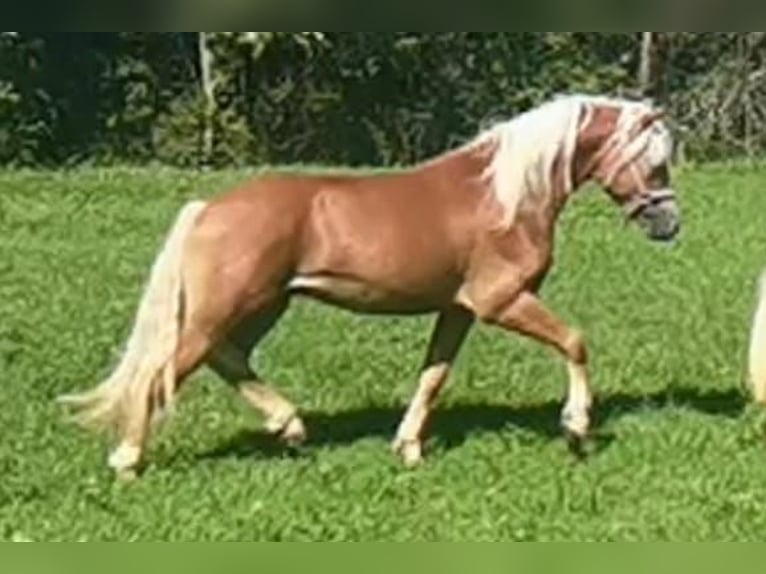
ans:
x=467 y=236
x=757 y=345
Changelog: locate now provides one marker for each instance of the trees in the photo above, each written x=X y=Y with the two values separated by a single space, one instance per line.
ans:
x=356 y=98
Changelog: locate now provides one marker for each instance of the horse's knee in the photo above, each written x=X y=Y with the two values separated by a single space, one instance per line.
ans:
x=575 y=348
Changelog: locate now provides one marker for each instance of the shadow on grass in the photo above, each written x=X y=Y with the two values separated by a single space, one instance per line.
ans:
x=451 y=425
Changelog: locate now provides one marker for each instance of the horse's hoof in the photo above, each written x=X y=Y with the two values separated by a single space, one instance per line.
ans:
x=124 y=461
x=575 y=425
x=126 y=474
x=410 y=451
x=577 y=444
x=294 y=433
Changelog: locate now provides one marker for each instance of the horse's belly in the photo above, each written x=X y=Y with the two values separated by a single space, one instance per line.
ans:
x=365 y=296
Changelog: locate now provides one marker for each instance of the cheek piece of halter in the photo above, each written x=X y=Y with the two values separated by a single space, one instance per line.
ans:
x=644 y=198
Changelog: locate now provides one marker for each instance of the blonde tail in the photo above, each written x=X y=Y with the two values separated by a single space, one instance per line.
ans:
x=145 y=376
x=757 y=355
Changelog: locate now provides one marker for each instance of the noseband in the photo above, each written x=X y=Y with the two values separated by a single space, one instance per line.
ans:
x=635 y=206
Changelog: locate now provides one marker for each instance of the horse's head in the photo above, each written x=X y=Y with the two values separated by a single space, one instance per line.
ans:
x=626 y=147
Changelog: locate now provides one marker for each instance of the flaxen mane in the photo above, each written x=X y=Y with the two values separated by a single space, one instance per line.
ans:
x=525 y=147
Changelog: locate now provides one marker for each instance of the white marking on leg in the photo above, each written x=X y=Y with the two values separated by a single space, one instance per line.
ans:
x=408 y=435
x=574 y=416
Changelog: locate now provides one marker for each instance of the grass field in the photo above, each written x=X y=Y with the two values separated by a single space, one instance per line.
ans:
x=680 y=454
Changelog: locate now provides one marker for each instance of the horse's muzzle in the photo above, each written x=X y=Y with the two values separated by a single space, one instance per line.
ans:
x=661 y=220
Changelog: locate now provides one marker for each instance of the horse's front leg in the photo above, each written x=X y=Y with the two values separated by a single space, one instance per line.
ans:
x=526 y=314
x=452 y=326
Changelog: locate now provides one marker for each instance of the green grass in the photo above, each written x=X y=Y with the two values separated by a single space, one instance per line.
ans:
x=680 y=454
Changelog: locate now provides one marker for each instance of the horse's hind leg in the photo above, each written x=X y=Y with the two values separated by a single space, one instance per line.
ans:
x=206 y=322
x=194 y=344
x=229 y=359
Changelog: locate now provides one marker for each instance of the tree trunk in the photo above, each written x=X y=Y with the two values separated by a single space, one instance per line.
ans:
x=653 y=66
x=645 y=63
x=208 y=91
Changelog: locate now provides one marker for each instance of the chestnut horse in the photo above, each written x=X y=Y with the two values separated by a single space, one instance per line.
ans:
x=467 y=235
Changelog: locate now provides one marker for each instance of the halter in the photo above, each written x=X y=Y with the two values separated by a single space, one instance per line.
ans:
x=609 y=152
x=636 y=205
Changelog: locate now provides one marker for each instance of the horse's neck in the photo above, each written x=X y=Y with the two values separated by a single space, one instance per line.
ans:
x=463 y=168
x=552 y=204
x=466 y=158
